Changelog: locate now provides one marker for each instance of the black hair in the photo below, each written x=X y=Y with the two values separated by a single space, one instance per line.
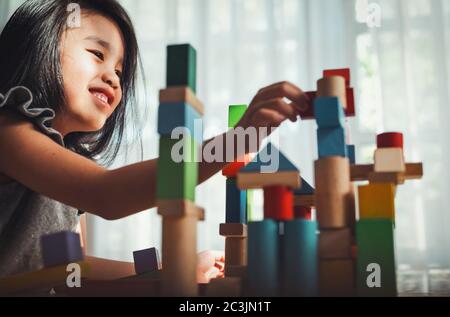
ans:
x=30 y=57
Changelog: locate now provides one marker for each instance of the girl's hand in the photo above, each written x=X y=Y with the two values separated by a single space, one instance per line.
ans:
x=210 y=265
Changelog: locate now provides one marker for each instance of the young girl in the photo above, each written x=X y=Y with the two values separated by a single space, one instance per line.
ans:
x=64 y=96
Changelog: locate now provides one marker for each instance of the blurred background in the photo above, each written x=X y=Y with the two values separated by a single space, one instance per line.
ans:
x=400 y=70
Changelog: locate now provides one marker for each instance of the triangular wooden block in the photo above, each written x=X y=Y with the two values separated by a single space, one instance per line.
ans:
x=306 y=189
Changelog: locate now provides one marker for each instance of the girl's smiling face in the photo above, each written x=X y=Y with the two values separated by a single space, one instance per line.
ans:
x=91 y=62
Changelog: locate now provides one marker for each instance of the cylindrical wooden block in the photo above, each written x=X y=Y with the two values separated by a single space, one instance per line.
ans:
x=333 y=86
x=235 y=251
x=278 y=203
x=263 y=258
x=390 y=139
x=179 y=251
x=333 y=191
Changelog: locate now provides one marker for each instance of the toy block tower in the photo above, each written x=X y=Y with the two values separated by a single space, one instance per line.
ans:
x=282 y=251
x=180 y=127
x=334 y=190
x=235 y=228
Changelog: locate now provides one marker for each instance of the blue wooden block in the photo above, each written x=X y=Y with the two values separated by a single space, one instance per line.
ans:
x=236 y=203
x=61 y=248
x=329 y=112
x=351 y=153
x=305 y=190
x=299 y=266
x=331 y=142
x=263 y=162
x=174 y=115
x=263 y=259
x=146 y=261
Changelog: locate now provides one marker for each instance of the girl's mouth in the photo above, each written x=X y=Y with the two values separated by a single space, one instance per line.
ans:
x=100 y=98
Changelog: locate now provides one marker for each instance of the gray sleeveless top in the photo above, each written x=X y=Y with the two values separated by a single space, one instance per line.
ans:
x=25 y=215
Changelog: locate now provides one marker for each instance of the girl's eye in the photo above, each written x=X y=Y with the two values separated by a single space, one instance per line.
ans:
x=98 y=54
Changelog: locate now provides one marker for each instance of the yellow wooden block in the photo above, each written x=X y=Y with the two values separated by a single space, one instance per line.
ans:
x=377 y=201
x=389 y=160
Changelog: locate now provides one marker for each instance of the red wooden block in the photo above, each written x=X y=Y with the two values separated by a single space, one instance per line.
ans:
x=302 y=212
x=345 y=72
x=232 y=169
x=389 y=140
x=278 y=203
x=308 y=114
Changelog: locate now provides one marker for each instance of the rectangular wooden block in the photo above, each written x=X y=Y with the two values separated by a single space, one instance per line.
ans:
x=237 y=230
x=360 y=172
x=376 y=252
x=235 y=114
x=235 y=251
x=377 y=201
x=305 y=201
x=177 y=180
x=387 y=177
x=389 y=160
x=182 y=66
x=181 y=94
x=335 y=244
x=180 y=115
x=414 y=171
x=331 y=142
x=258 y=180
x=147 y=260
x=337 y=278
x=236 y=271
x=236 y=203
x=180 y=208
x=329 y=112
x=179 y=251
x=61 y=248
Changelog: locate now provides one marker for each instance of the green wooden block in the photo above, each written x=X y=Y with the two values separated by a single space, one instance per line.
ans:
x=235 y=114
x=375 y=239
x=178 y=175
x=182 y=66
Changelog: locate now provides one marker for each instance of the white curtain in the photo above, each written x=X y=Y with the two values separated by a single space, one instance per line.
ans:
x=401 y=77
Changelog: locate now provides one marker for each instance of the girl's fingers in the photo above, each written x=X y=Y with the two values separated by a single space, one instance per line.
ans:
x=277 y=104
x=284 y=90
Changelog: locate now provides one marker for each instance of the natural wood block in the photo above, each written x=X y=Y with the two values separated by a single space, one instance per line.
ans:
x=360 y=172
x=305 y=201
x=235 y=251
x=235 y=271
x=377 y=201
x=387 y=177
x=181 y=94
x=389 y=160
x=337 y=278
x=237 y=230
x=414 y=171
x=179 y=252
x=335 y=244
x=333 y=86
x=224 y=287
x=258 y=180
x=180 y=208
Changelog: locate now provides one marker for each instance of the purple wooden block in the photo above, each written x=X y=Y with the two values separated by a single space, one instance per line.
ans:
x=146 y=261
x=61 y=248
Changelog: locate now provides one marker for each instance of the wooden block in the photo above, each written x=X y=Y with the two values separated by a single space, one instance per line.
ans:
x=361 y=172
x=236 y=203
x=308 y=113
x=177 y=180
x=389 y=160
x=61 y=248
x=236 y=271
x=335 y=244
x=147 y=260
x=351 y=153
x=235 y=114
x=387 y=177
x=305 y=201
x=303 y=212
x=224 y=287
x=390 y=140
x=182 y=66
x=337 y=278
x=269 y=161
x=329 y=112
x=258 y=180
x=180 y=115
x=181 y=94
x=345 y=72
x=263 y=255
x=375 y=238
x=180 y=208
x=333 y=86
x=333 y=192
x=414 y=171
x=45 y=278
x=377 y=201
x=179 y=251
x=278 y=203
x=237 y=230
x=232 y=169
x=331 y=142
x=235 y=251
x=299 y=259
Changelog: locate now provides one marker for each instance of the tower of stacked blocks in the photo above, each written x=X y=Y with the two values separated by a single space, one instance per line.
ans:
x=178 y=178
